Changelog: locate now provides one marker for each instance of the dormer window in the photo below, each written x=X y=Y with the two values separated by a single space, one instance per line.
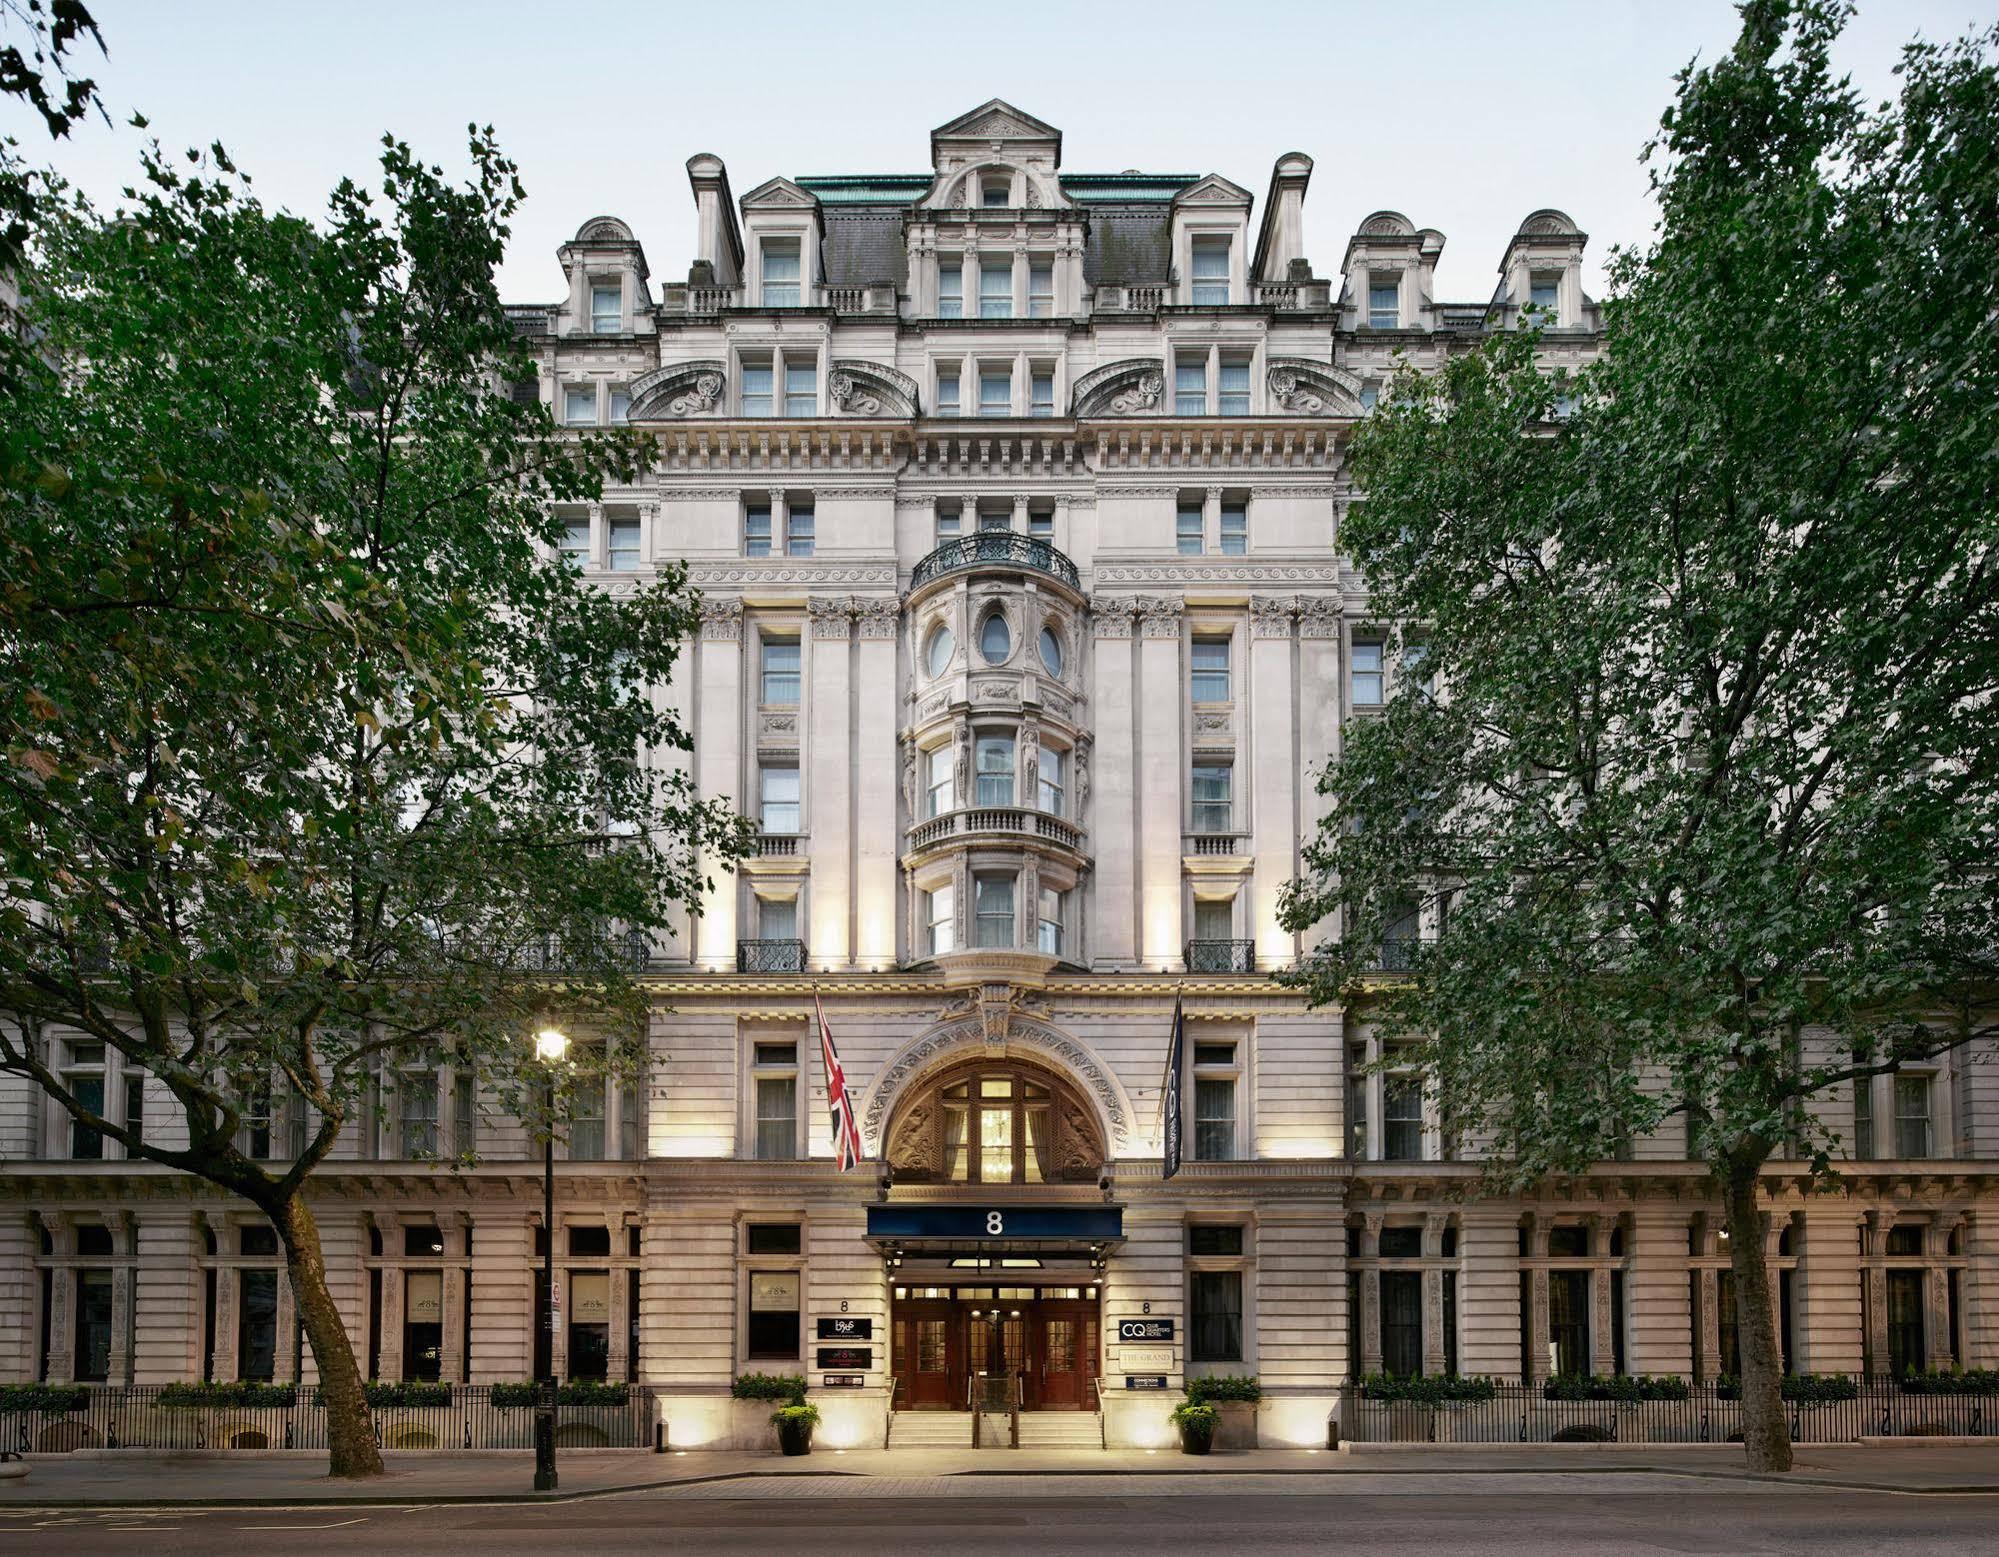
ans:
x=781 y=279
x=1384 y=302
x=1211 y=270
x=606 y=308
x=996 y=191
x=1543 y=291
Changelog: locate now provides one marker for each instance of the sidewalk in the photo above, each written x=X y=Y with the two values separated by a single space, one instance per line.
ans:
x=135 y=1479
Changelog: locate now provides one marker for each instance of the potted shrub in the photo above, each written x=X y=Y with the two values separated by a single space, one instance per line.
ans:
x=794 y=1426
x=1196 y=1420
x=1235 y=1398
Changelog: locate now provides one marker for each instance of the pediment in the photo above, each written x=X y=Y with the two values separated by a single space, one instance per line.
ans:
x=779 y=194
x=1214 y=190
x=1301 y=387
x=1128 y=388
x=679 y=389
x=995 y=120
x=859 y=388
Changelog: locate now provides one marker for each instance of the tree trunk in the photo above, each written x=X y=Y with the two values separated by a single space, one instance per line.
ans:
x=1766 y=1434
x=350 y=1432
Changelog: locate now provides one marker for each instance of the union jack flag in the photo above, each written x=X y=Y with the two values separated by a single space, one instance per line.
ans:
x=846 y=1131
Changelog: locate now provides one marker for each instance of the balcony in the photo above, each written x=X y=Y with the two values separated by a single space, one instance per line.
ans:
x=995 y=548
x=1221 y=956
x=698 y=298
x=770 y=956
x=1005 y=822
x=1224 y=843
x=777 y=845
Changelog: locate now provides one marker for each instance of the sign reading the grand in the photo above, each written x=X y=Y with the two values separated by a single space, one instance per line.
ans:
x=978 y=1224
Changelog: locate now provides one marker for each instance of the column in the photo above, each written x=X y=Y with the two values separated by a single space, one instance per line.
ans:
x=829 y=792
x=285 y=1349
x=1874 y=1244
x=876 y=825
x=61 y=1362
x=1273 y=812
x=392 y=1321
x=620 y=1319
x=718 y=733
x=1708 y=1356
x=227 y=1281
x=1105 y=799
x=1434 y=1223
x=122 y=1280
x=1370 y=1295
x=1161 y=780
x=1538 y=1365
x=1318 y=718
x=1211 y=500
x=451 y=1358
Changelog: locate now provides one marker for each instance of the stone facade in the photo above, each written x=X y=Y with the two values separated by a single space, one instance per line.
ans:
x=1014 y=498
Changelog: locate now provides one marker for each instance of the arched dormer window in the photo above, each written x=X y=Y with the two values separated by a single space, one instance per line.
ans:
x=1004 y=1123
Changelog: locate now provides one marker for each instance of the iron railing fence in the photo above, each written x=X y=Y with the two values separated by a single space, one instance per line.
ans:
x=1654 y=1411
x=454 y=1416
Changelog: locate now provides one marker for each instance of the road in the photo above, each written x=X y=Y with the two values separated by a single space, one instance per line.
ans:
x=1484 y=1515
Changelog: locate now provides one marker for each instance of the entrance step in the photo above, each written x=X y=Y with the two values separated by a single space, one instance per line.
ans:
x=1060 y=1430
x=931 y=1430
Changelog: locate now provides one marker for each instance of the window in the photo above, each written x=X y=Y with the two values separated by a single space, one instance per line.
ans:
x=1912 y=1116
x=995 y=391
x=1205 y=1238
x=801 y=388
x=996 y=520
x=1416 y=673
x=257 y=1326
x=1211 y=670
x=575 y=543
x=1040 y=289
x=93 y=1326
x=1384 y=306
x=995 y=770
x=780 y=672
x=1905 y=1238
x=1048 y=927
x=1214 y=811
x=1234 y=386
x=1214 y=1304
x=416 y=1109
x=1400 y=1243
x=1051 y=652
x=1041 y=523
x=1211 y=270
x=997 y=1129
x=1357 y=1102
x=1370 y=396
x=606 y=308
x=756 y=531
x=1568 y=1320
x=1214 y=918
x=1402 y=1119
x=777 y=918
x=135 y=1106
x=947 y=392
x=1190 y=385
x=624 y=536
x=950 y=522
x=1543 y=290
x=1235 y=529
x=1049 y=781
x=995 y=286
x=1366 y=674
x=579 y=404
x=800 y=531
x=774 y=1314
x=1214 y=1115
x=621 y=407
x=995 y=638
x=1187 y=535
x=937 y=650
x=993 y=900
x=1863 y=1118
x=1041 y=400
x=996 y=193
x=779 y=797
x=757 y=387
x=586 y=1127
x=941 y=786
x=780 y=273
x=951 y=289
x=777 y=1104
x=85 y=1081
x=1906 y=1351
x=1401 y=1323
x=940 y=933
x=773 y=1237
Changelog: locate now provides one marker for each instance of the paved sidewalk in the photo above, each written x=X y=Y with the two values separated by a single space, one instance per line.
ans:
x=135 y=1479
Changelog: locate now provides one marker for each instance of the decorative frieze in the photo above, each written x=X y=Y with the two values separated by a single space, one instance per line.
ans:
x=878 y=618
x=722 y=619
x=1160 y=615
x=1270 y=616
x=832 y=616
x=1111 y=615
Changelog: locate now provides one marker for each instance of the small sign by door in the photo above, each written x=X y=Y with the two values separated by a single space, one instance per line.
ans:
x=840 y=1327
x=846 y=1356
x=1145 y=1330
x=1145 y=1381
x=844 y=1381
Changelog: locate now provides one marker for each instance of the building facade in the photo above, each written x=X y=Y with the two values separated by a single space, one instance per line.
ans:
x=1014 y=499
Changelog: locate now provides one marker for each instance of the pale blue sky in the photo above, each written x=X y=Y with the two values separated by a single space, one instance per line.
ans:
x=1463 y=115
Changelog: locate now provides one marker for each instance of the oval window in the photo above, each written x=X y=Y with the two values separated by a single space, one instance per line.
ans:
x=937 y=654
x=995 y=642
x=1051 y=651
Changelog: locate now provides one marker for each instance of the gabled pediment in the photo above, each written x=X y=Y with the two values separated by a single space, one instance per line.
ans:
x=1214 y=190
x=996 y=121
x=779 y=194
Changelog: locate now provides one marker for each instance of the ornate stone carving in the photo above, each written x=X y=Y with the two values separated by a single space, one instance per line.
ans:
x=704 y=394
x=1141 y=395
x=679 y=389
x=722 y=620
x=1270 y=616
x=1120 y=388
x=1318 y=616
x=909 y=778
x=1160 y=615
x=832 y=616
x=863 y=388
x=850 y=396
x=1306 y=388
x=877 y=617
x=914 y=1146
x=1111 y=615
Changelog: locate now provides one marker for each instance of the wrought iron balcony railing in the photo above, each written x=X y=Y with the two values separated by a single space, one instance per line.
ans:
x=988 y=548
x=770 y=956
x=1221 y=956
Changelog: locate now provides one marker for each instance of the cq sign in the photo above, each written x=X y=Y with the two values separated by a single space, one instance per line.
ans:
x=1145 y=1330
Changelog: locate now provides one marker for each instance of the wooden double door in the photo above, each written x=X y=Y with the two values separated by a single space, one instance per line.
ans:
x=1049 y=1345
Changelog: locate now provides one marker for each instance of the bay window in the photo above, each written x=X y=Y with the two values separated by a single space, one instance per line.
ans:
x=995 y=771
x=940 y=928
x=993 y=906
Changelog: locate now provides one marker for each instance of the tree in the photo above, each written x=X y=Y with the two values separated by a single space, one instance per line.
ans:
x=1703 y=810
x=321 y=765
x=53 y=28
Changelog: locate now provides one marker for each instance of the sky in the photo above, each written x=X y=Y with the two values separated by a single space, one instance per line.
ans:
x=1462 y=114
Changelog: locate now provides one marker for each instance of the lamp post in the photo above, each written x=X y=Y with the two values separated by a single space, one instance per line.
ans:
x=550 y=1045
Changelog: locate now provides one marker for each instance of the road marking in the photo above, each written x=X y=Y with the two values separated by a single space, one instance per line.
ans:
x=334 y=1526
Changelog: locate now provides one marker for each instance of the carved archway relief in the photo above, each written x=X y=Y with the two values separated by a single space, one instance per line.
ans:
x=961 y=1040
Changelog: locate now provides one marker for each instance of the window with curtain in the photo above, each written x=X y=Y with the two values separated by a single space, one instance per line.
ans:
x=1011 y=1123
x=951 y=289
x=1214 y=1118
x=1040 y=289
x=1401 y=1323
x=1211 y=269
x=993 y=908
x=781 y=280
x=942 y=784
x=1366 y=673
x=1210 y=670
x=575 y=542
x=995 y=286
x=801 y=388
x=1214 y=1302
x=586 y=1124
x=1234 y=386
x=1049 y=781
x=995 y=392
x=779 y=797
x=1187 y=537
x=1912 y=1116
x=1048 y=928
x=1863 y=1118
x=579 y=405
x=1384 y=302
x=757 y=388
x=1402 y=1119
x=624 y=545
x=621 y=407
x=416 y=1105
x=947 y=393
x=801 y=531
x=940 y=923
x=606 y=309
x=1190 y=385
x=1041 y=402
x=1543 y=290
x=1235 y=529
x=1214 y=811
x=780 y=672
x=777 y=1117
x=756 y=531
x=995 y=769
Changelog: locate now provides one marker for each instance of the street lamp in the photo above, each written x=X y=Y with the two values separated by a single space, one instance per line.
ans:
x=550 y=1045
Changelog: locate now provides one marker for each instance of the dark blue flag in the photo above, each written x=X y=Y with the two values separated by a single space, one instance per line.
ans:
x=1169 y=1106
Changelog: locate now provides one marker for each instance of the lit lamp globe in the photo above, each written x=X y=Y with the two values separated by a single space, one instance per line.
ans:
x=550 y=1044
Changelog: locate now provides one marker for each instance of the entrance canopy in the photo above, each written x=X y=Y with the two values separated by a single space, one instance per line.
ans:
x=993 y=1231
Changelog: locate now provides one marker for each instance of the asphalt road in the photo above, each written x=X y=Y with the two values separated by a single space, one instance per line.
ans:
x=1051 y=1514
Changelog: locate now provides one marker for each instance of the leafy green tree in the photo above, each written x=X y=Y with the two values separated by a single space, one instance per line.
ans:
x=35 y=66
x=1702 y=811
x=320 y=765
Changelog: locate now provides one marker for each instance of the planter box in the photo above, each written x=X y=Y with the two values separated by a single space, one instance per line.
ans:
x=1236 y=1428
